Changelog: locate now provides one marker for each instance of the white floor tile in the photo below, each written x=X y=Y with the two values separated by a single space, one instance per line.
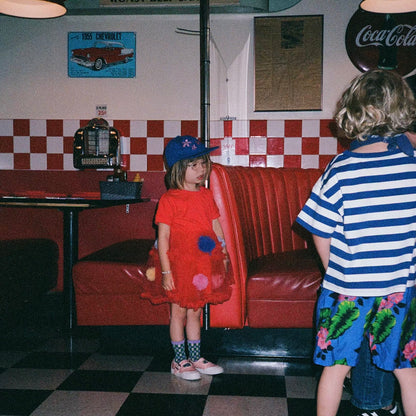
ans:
x=81 y=403
x=33 y=378
x=245 y=406
x=301 y=387
x=154 y=382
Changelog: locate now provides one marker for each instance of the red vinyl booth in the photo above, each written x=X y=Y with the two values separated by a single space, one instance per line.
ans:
x=275 y=266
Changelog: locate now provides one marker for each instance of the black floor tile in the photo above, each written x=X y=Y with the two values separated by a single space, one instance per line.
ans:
x=52 y=360
x=161 y=363
x=11 y=343
x=307 y=407
x=21 y=402
x=301 y=407
x=248 y=385
x=87 y=380
x=163 y=405
x=344 y=408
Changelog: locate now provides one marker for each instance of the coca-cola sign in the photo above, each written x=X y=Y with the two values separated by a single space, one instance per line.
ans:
x=377 y=40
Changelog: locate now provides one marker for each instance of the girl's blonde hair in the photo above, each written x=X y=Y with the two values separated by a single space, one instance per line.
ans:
x=377 y=102
x=175 y=176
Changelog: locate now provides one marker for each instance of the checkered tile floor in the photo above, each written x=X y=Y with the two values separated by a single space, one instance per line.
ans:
x=42 y=378
x=43 y=373
x=49 y=381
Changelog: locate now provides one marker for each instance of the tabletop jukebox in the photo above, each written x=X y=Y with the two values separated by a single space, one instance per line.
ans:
x=96 y=146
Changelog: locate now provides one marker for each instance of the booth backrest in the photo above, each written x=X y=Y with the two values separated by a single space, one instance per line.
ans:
x=258 y=207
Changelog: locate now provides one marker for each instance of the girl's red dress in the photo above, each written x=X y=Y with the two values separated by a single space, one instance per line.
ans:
x=195 y=254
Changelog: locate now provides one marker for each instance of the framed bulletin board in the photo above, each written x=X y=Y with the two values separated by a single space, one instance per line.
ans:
x=288 y=63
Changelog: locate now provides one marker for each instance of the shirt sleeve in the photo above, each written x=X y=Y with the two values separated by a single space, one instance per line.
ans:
x=164 y=213
x=323 y=210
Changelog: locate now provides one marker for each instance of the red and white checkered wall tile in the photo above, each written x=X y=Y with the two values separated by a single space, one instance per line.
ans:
x=48 y=144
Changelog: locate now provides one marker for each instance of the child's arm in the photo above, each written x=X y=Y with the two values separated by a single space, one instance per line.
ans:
x=322 y=247
x=163 y=247
x=216 y=226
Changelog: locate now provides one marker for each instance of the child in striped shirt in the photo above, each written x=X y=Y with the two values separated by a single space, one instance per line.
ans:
x=362 y=214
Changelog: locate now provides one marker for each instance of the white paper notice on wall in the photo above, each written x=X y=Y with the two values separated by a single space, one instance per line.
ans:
x=101 y=110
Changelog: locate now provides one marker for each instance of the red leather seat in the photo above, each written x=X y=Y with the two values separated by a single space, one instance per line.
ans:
x=107 y=287
x=281 y=290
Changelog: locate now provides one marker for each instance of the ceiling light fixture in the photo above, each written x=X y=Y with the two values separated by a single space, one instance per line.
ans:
x=33 y=9
x=389 y=6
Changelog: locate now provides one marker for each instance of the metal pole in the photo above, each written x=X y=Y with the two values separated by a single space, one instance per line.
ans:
x=204 y=37
x=204 y=62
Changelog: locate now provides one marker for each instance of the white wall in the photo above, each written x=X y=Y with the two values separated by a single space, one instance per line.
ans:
x=33 y=65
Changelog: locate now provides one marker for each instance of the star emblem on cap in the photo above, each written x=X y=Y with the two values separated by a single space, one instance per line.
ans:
x=186 y=143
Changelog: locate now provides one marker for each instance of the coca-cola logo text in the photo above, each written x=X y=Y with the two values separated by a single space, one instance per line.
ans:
x=378 y=40
x=400 y=35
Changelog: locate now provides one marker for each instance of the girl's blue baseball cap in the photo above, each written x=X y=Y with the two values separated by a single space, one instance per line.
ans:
x=185 y=147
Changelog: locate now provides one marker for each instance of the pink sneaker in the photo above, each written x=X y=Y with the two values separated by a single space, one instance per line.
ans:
x=206 y=367
x=185 y=369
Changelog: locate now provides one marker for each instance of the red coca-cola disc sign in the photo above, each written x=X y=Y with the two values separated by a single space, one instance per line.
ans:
x=377 y=40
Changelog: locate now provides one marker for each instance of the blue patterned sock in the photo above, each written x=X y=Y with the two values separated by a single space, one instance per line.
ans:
x=179 y=350
x=194 y=350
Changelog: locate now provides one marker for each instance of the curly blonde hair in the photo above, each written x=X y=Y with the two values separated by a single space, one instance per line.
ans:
x=378 y=102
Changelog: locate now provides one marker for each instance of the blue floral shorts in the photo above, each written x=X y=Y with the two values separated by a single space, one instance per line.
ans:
x=388 y=322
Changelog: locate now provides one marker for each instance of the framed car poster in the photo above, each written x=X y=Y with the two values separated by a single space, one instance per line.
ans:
x=101 y=54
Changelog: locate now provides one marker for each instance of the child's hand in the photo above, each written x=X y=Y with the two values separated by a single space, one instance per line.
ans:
x=167 y=282
x=226 y=259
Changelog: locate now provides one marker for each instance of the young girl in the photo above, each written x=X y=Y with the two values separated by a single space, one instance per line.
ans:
x=191 y=257
x=362 y=213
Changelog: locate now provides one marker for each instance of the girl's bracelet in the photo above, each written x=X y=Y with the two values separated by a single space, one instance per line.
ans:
x=222 y=241
x=167 y=272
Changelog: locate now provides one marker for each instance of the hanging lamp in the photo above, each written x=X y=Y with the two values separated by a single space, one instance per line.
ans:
x=389 y=6
x=33 y=9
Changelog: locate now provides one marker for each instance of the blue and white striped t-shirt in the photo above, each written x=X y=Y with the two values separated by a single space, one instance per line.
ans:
x=366 y=204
